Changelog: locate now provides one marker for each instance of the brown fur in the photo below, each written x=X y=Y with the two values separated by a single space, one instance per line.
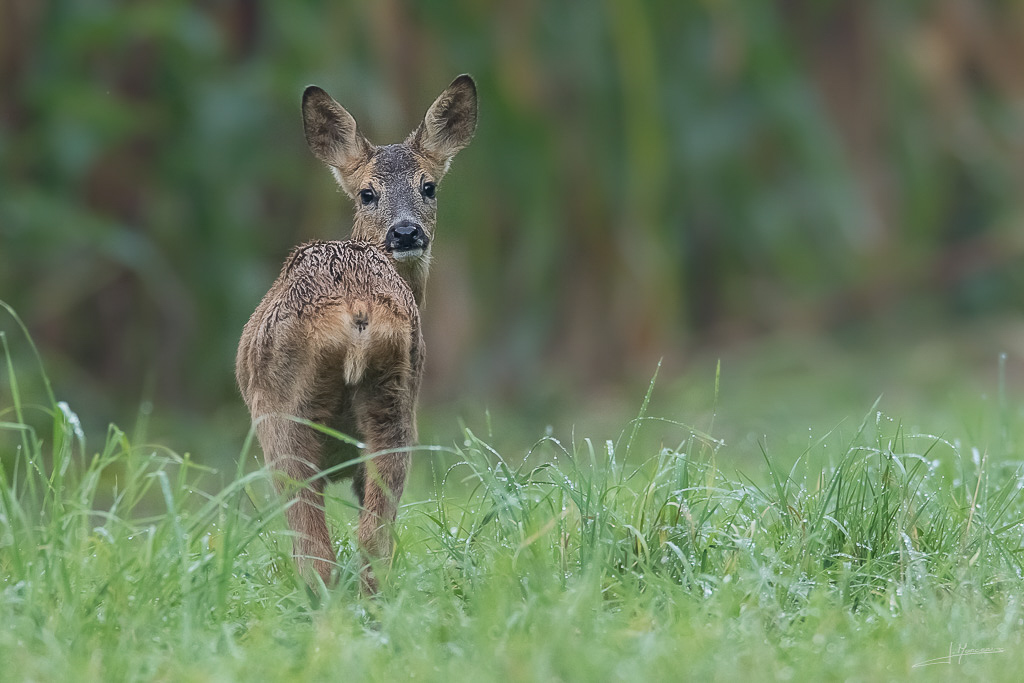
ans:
x=337 y=339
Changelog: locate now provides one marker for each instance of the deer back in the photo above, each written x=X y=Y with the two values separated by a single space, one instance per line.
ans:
x=338 y=315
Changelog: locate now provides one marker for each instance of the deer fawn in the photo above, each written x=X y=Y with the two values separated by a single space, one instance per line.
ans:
x=337 y=339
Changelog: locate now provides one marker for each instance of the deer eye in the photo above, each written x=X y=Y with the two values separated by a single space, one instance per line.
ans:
x=429 y=190
x=367 y=197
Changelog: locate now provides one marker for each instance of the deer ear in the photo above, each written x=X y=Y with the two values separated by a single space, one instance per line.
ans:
x=449 y=123
x=332 y=135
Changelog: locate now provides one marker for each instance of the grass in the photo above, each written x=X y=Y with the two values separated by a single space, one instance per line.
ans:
x=866 y=554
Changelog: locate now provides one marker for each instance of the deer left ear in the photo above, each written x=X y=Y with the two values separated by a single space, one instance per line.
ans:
x=449 y=123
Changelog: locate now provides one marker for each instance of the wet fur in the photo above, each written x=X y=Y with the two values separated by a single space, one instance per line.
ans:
x=336 y=341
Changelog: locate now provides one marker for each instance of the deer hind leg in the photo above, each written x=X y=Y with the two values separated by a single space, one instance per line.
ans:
x=386 y=419
x=293 y=452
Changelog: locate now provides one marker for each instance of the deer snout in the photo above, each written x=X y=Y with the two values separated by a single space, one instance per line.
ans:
x=406 y=240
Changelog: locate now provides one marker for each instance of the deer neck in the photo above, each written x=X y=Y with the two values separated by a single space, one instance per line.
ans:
x=415 y=272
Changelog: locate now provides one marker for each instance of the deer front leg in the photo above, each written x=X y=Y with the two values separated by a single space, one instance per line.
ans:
x=387 y=422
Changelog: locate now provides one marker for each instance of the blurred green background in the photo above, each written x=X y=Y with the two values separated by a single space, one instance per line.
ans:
x=825 y=195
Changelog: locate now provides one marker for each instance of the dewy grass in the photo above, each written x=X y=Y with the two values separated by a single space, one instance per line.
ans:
x=574 y=560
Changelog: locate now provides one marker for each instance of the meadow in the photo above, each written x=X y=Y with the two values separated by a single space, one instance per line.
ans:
x=870 y=552
x=810 y=211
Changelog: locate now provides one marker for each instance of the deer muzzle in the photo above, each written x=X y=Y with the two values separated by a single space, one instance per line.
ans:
x=406 y=240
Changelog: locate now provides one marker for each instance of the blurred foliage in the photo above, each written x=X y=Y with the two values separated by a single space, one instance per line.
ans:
x=648 y=178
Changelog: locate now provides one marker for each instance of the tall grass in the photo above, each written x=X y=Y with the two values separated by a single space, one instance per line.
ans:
x=572 y=560
x=892 y=513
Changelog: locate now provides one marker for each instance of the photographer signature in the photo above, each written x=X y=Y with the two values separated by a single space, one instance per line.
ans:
x=957 y=654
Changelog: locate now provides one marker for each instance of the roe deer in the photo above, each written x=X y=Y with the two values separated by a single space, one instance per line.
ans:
x=337 y=339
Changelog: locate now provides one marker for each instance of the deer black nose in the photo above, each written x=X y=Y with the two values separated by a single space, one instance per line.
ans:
x=405 y=236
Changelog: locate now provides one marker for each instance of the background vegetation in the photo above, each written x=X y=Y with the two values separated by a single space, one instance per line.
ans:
x=650 y=179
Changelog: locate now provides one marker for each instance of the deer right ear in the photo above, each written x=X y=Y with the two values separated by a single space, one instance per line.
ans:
x=449 y=123
x=332 y=135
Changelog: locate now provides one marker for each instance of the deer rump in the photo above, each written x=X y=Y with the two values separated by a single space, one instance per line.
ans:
x=339 y=324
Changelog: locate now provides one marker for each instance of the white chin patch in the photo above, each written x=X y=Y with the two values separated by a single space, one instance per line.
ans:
x=407 y=254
